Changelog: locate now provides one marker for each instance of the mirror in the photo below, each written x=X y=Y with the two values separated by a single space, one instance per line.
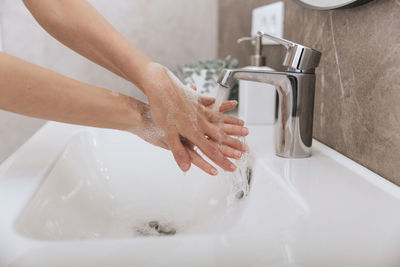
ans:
x=330 y=4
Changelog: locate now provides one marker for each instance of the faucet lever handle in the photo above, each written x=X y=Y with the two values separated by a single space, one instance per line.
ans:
x=281 y=41
x=299 y=58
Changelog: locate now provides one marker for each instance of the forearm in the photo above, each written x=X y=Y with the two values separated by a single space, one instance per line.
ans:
x=34 y=91
x=177 y=114
x=79 y=26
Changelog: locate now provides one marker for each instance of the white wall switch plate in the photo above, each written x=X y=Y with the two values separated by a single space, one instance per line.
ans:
x=268 y=19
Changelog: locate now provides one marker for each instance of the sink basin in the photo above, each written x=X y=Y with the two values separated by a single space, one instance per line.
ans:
x=76 y=196
x=109 y=184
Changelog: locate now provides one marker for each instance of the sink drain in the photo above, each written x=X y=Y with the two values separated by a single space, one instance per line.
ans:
x=155 y=228
x=163 y=229
x=240 y=194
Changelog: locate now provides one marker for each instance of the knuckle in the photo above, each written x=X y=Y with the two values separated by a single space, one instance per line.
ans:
x=203 y=109
x=221 y=147
x=219 y=136
x=210 y=114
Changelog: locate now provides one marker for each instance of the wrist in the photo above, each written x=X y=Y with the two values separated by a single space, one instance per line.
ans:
x=139 y=71
x=145 y=127
x=152 y=78
x=138 y=115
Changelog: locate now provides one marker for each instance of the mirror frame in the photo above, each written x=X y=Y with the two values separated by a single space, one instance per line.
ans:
x=352 y=4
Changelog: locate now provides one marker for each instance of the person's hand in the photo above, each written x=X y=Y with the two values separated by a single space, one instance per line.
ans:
x=151 y=133
x=186 y=120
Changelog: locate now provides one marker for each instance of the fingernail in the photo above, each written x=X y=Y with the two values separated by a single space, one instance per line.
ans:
x=213 y=171
x=185 y=167
x=237 y=154
x=241 y=122
x=245 y=131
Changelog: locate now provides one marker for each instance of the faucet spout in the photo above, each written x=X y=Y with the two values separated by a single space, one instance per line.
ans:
x=228 y=77
x=294 y=117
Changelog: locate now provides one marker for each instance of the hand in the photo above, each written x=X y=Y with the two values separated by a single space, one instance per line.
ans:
x=155 y=135
x=187 y=120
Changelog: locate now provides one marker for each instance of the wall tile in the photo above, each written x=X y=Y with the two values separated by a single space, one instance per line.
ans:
x=358 y=81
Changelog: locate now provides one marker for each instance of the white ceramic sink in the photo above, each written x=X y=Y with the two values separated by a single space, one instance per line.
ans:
x=111 y=184
x=75 y=196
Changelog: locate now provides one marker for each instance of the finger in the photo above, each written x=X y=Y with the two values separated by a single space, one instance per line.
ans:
x=230 y=119
x=217 y=135
x=234 y=143
x=220 y=117
x=211 y=151
x=178 y=150
x=236 y=130
x=201 y=163
x=230 y=152
x=206 y=101
x=226 y=150
x=228 y=105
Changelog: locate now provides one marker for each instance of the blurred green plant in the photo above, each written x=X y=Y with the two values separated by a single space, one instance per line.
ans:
x=212 y=70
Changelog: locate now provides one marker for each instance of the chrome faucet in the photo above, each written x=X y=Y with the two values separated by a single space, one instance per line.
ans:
x=296 y=90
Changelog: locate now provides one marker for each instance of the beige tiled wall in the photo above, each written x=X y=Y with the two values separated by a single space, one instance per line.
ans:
x=168 y=31
x=357 y=109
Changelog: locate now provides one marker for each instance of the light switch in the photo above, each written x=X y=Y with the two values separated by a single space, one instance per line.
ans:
x=268 y=19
